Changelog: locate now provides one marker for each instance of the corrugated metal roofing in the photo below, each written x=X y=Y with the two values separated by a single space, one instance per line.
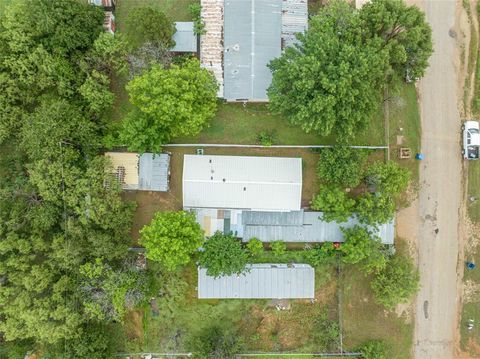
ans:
x=268 y=281
x=238 y=182
x=185 y=38
x=153 y=172
x=294 y=20
x=263 y=225
x=252 y=38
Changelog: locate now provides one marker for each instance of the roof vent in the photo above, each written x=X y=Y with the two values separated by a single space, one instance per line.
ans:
x=224 y=180
x=211 y=177
x=236 y=47
x=244 y=188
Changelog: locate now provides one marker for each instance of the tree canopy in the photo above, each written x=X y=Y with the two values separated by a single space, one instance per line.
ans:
x=335 y=204
x=397 y=282
x=332 y=81
x=223 y=255
x=149 y=25
x=168 y=103
x=172 y=238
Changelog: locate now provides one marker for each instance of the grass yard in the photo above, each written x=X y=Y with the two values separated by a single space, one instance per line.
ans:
x=405 y=126
x=242 y=124
x=259 y=324
x=364 y=319
x=474 y=190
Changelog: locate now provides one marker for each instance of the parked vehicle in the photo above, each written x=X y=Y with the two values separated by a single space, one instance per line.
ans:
x=471 y=140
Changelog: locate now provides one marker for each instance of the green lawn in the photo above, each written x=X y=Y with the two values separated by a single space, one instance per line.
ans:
x=364 y=319
x=474 y=190
x=405 y=126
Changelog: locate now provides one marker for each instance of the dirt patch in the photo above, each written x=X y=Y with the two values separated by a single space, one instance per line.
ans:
x=134 y=329
x=407 y=226
x=471 y=291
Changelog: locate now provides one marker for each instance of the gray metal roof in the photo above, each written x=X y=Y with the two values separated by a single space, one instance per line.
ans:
x=268 y=281
x=294 y=20
x=252 y=38
x=153 y=172
x=268 y=226
x=185 y=38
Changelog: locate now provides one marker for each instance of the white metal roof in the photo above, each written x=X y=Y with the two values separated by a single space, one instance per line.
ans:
x=269 y=281
x=238 y=182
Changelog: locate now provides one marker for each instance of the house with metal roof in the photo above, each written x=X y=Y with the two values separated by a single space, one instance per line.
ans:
x=242 y=37
x=242 y=182
x=185 y=37
x=267 y=281
x=294 y=226
x=145 y=172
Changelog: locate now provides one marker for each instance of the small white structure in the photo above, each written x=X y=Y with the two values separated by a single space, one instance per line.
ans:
x=267 y=281
x=185 y=38
x=238 y=182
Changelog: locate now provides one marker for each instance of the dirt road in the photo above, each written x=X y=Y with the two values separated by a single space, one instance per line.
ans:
x=440 y=194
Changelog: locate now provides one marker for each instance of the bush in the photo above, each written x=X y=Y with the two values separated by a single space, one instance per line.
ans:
x=374 y=209
x=374 y=349
x=147 y=24
x=326 y=333
x=198 y=24
x=321 y=254
x=216 y=343
x=255 y=247
x=335 y=204
x=278 y=248
x=266 y=138
x=361 y=247
x=397 y=282
x=342 y=165
x=172 y=238
x=388 y=178
x=223 y=255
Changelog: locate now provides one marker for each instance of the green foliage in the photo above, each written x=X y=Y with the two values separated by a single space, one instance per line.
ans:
x=374 y=349
x=375 y=208
x=198 y=24
x=325 y=253
x=361 y=246
x=331 y=83
x=96 y=93
x=147 y=24
x=326 y=333
x=255 y=247
x=334 y=202
x=278 y=248
x=172 y=238
x=388 y=178
x=216 y=343
x=168 y=103
x=342 y=165
x=406 y=34
x=223 y=255
x=266 y=138
x=397 y=282
x=94 y=342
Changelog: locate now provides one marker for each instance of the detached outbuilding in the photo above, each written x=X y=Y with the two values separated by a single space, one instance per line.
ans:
x=260 y=281
x=146 y=172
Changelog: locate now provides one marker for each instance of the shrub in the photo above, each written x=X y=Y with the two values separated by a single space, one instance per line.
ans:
x=255 y=247
x=223 y=255
x=172 y=238
x=216 y=343
x=342 y=165
x=397 y=282
x=266 y=138
x=374 y=349
x=326 y=332
x=198 y=24
x=334 y=202
x=321 y=254
x=278 y=248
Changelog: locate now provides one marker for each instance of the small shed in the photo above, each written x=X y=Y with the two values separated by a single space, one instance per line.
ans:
x=146 y=172
x=185 y=38
x=260 y=281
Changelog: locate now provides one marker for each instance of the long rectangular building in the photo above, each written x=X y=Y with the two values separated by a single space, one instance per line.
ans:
x=260 y=281
x=240 y=182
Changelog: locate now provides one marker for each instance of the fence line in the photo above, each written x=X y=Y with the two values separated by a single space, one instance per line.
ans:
x=260 y=146
x=343 y=354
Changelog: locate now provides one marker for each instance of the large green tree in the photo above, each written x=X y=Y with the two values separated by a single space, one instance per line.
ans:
x=397 y=282
x=405 y=33
x=335 y=204
x=172 y=238
x=332 y=81
x=168 y=103
x=223 y=255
